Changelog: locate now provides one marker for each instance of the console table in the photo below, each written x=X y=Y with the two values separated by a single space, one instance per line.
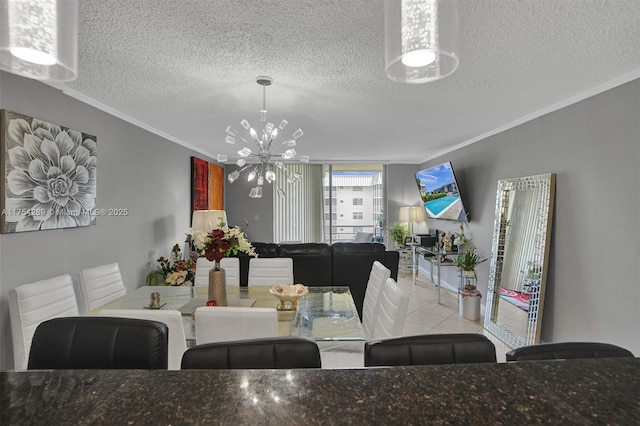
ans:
x=432 y=256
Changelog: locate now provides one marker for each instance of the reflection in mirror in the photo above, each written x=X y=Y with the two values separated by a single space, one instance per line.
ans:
x=519 y=257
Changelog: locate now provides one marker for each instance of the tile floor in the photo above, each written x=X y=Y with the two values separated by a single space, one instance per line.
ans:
x=426 y=316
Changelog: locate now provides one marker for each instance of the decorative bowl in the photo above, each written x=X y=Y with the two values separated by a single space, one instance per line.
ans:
x=289 y=293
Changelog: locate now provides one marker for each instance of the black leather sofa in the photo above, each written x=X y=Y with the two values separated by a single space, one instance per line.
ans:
x=339 y=264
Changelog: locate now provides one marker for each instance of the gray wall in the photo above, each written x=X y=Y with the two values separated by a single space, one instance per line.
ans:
x=401 y=191
x=242 y=210
x=593 y=289
x=137 y=170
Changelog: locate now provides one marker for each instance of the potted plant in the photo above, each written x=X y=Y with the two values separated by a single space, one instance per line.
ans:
x=460 y=240
x=399 y=234
x=467 y=262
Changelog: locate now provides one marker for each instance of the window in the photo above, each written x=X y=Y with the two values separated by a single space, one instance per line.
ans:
x=363 y=185
x=327 y=200
x=328 y=215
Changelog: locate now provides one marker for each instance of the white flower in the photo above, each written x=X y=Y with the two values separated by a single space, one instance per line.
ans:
x=199 y=239
x=177 y=278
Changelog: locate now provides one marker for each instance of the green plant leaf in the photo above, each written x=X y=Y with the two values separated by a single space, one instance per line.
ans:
x=156 y=278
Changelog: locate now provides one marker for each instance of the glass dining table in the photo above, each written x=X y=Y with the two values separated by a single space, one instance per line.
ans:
x=326 y=314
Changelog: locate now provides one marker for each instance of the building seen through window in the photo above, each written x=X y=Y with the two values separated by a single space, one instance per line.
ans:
x=359 y=189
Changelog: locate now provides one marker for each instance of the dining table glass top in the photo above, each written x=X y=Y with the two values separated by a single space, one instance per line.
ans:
x=324 y=314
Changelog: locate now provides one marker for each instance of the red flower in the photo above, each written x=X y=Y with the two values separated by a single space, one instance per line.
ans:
x=217 y=246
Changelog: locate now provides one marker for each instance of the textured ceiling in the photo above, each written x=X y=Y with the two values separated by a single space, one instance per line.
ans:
x=187 y=69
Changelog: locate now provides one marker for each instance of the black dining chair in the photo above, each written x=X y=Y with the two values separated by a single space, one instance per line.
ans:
x=267 y=353
x=428 y=349
x=567 y=350
x=99 y=343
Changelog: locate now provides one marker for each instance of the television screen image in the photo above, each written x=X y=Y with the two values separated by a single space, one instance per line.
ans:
x=440 y=194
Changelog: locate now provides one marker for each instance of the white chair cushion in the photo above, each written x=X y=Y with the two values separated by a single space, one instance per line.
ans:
x=270 y=271
x=31 y=304
x=391 y=313
x=378 y=276
x=100 y=285
x=231 y=266
x=173 y=319
x=228 y=323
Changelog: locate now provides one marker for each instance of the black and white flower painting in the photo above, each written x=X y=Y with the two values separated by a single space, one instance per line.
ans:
x=49 y=175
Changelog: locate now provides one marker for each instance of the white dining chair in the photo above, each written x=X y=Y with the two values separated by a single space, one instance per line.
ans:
x=378 y=276
x=173 y=320
x=31 y=304
x=100 y=285
x=227 y=323
x=231 y=266
x=391 y=313
x=270 y=271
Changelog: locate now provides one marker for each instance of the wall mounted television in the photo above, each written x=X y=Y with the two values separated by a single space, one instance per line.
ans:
x=440 y=194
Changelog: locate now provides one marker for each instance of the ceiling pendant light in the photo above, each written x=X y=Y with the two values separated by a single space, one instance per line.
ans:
x=39 y=39
x=420 y=39
x=257 y=157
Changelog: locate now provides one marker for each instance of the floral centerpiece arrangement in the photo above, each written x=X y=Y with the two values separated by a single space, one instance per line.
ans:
x=174 y=270
x=220 y=242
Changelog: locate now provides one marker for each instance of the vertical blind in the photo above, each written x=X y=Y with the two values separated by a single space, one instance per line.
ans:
x=298 y=214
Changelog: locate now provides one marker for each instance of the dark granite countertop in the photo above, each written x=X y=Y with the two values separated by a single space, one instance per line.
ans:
x=581 y=392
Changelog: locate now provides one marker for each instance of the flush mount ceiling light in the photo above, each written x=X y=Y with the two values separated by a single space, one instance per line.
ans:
x=420 y=39
x=39 y=39
x=256 y=155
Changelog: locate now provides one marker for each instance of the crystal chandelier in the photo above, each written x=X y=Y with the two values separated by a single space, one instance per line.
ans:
x=256 y=156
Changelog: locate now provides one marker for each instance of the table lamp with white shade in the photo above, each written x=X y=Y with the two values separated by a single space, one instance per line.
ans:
x=206 y=220
x=410 y=215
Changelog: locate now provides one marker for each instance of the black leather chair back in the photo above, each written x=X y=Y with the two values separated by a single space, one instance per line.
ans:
x=99 y=343
x=268 y=353
x=311 y=263
x=568 y=350
x=430 y=349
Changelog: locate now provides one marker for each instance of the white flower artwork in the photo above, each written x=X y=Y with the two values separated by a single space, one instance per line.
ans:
x=49 y=173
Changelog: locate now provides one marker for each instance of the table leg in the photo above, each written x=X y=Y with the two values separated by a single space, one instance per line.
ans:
x=438 y=280
x=414 y=263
